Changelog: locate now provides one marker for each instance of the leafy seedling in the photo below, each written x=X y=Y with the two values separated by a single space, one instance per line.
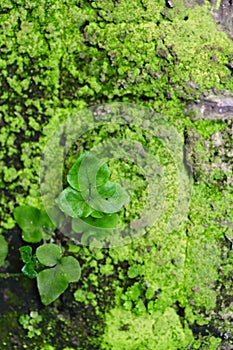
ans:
x=61 y=271
x=90 y=193
x=30 y=323
x=35 y=223
x=91 y=199
x=3 y=250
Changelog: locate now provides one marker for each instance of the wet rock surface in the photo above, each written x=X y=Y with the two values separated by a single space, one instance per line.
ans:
x=212 y=106
x=216 y=151
x=223 y=15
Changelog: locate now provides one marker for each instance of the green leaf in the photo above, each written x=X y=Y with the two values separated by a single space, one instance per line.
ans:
x=108 y=199
x=3 y=250
x=91 y=167
x=26 y=256
x=97 y=214
x=28 y=270
x=102 y=174
x=72 y=203
x=32 y=236
x=51 y=284
x=107 y=221
x=71 y=268
x=107 y=190
x=79 y=225
x=35 y=223
x=49 y=254
x=92 y=174
x=72 y=176
x=26 y=217
x=116 y=201
x=46 y=225
x=26 y=253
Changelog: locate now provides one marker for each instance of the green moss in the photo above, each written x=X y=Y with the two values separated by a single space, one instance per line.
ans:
x=156 y=331
x=58 y=58
x=206 y=128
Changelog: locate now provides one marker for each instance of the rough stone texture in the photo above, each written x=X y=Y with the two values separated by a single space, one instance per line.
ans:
x=224 y=15
x=214 y=105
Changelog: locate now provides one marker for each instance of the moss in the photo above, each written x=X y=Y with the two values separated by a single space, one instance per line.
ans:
x=58 y=58
x=156 y=331
x=117 y=68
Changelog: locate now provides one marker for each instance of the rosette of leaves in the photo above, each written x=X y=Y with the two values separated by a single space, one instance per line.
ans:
x=59 y=272
x=35 y=223
x=91 y=199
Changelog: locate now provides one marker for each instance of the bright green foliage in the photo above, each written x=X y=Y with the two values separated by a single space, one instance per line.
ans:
x=29 y=260
x=53 y=281
x=72 y=203
x=80 y=295
x=35 y=223
x=95 y=228
x=30 y=322
x=49 y=254
x=134 y=271
x=159 y=331
x=102 y=176
x=92 y=198
x=106 y=222
x=3 y=250
x=91 y=189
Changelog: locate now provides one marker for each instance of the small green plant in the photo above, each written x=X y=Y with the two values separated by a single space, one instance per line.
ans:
x=61 y=270
x=91 y=199
x=52 y=270
x=30 y=323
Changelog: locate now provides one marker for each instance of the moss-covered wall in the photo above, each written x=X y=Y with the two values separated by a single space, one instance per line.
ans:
x=166 y=290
